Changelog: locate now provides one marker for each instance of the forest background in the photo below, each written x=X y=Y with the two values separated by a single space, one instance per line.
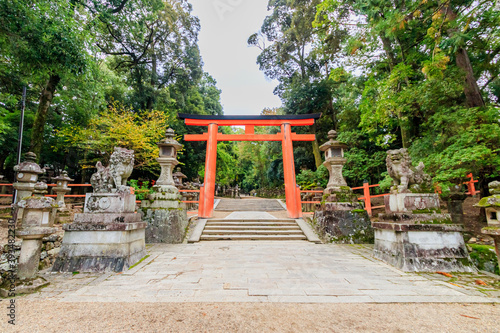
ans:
x=386 y=74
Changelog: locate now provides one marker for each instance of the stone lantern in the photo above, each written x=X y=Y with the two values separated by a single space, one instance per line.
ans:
x=178 y=177
x=62 y=187
x=164 y=212
x=27 y=176
x=168 y=160
x=37 y=222
x=334 y=162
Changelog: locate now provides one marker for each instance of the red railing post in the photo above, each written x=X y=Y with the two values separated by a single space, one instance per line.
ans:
x=298 y=201
x=201 y=201
x=470 y=185
x=366 y=193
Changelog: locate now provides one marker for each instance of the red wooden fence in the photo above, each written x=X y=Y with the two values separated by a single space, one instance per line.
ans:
x=367 y=196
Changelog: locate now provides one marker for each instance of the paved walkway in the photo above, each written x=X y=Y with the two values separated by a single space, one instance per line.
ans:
x=258 y=271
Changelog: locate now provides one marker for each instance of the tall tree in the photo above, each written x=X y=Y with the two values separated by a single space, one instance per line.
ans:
x=46 y=40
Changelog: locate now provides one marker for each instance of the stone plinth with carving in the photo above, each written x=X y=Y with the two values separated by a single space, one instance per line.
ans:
x=413 y=234
x=109 y=235
x=163 y=210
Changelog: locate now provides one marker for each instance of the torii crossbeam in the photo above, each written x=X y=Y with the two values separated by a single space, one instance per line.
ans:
x=286 y=137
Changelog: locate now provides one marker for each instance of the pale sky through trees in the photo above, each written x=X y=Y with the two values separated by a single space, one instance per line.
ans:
x=225 y=28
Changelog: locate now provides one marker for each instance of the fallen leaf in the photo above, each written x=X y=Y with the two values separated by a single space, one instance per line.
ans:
x=445 y=274
x=204 y=314
x=469 y=316
x=457 y=285
x=481 y=283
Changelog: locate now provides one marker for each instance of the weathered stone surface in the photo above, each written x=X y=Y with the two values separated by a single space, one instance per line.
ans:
x=29 y=258
x=343 y=223
x=122 y=202
x=100 y=251
x=422 y=248
x=165 y=225
x=409 y=202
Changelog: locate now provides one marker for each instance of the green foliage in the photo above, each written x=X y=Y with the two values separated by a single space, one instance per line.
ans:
x=141 y=191
x=308 y=179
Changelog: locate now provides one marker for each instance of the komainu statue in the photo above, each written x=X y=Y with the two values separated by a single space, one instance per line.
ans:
x=114 y=177
x=404 y=174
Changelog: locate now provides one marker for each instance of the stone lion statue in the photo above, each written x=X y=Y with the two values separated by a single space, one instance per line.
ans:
x=114 y=177
x=404 y=174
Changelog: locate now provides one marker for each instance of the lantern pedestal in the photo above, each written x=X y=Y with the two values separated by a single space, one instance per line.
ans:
x=343 y=223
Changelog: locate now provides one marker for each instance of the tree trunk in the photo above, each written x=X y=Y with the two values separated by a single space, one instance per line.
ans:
x=471 y=89
x=388 y=50
x=316 y=152
x=41 y=114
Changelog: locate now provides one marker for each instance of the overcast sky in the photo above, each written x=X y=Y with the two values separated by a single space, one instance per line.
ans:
x=225 y=28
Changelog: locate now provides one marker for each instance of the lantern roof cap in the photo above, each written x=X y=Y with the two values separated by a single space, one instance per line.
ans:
x=29 y=165
x=333 y=142
x=169 y=140
x=179 y=174
x=63 y=176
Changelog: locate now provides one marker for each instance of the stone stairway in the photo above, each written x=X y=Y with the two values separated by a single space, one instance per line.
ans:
x=255 y=205
x=252 y=229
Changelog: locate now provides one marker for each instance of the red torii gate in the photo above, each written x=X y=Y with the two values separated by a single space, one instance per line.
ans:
x=292 y=192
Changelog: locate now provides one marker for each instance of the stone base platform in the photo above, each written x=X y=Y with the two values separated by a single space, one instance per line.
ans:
x=422 y=247
x=105 y=242
x=165 y=225
x=343 y=223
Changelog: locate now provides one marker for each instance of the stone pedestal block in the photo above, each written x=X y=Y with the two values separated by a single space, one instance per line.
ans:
x=422 y=247
x=108 y=236
x=121 y=202
x=409 y=202
x=29 y=258
x=343 y=222
x=165 y=225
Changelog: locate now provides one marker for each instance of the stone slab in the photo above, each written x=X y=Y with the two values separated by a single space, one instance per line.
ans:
x=408 y=202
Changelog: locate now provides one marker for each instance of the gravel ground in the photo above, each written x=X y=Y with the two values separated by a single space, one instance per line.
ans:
x=45 y=316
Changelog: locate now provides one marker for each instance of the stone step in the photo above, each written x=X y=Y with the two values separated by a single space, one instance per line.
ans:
x=252 y=232
x=252 y=237
x=259 y=205
x=253 y=227
x=252 y=220
x=249 y=224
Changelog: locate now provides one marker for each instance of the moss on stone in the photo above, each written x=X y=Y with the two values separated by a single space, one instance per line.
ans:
x=427 y=211
x=437 y=221
x=484 y=257
x=137 y=263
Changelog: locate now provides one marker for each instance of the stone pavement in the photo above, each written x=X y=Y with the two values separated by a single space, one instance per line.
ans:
x=258 y=271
